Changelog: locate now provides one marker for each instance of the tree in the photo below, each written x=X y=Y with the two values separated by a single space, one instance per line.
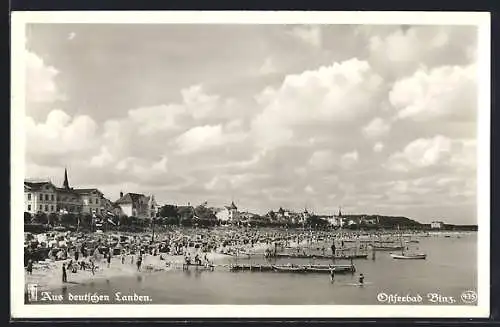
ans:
x=203 y=212
x=271 y=214
x=134 y=221
x=52 y=218
x=68 y=219
x=40 y=218
x=169 y=211
x=86 y=220
x=171 y=221
x=185 y=212
x=124 y=221
x=27 y=217
x=316 y=222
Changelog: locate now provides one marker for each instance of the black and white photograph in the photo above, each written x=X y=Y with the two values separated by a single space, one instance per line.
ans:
x=253 y=164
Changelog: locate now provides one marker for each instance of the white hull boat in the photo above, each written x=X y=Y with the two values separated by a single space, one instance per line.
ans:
x=409 y=256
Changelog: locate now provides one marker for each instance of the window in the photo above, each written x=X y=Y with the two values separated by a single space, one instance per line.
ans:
x=29 y=196
x=41 y=207
x=51 y=208
x=90 y=200
x=29 y=207
x=52 y=197
x=46 y=197
x=46 y=207
x=41 y=197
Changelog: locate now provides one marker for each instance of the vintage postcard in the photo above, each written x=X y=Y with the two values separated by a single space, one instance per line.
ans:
x=250 y=164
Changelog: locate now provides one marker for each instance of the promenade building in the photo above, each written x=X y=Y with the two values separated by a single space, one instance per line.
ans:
x=44 y=196
x=137 y=205
x=437 y=225
x=229 y=213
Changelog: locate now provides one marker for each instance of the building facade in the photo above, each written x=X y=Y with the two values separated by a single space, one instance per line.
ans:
x=228 y=213
x=40 y=197
x=437 y=224
x=43 y=196
x=137 y=205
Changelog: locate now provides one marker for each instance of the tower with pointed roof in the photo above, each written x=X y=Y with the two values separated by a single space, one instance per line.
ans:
x=66 y=183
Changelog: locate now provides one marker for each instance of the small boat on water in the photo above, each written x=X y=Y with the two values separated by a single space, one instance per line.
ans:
x=408 y=256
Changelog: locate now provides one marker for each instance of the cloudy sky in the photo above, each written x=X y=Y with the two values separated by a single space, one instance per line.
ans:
x=376 y=119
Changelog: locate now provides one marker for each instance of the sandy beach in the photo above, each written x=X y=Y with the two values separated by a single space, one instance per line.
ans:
x=48 y=274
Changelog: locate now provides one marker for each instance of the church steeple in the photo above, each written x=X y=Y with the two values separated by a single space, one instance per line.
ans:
x=66 y=183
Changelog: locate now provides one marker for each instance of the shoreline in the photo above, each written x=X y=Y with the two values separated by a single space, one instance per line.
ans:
x=50 y=278
x=47 y=275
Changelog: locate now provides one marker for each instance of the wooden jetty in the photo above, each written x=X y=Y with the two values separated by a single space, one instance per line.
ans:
x=320 y=256
x=387 y=248
x=294 y=268
x=198 y=266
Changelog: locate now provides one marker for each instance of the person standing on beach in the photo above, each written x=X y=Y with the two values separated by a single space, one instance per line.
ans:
x=92 y=266
x=332 y=274
x=109 y=259
x=29 y=267
x=64 y=275
x=139 y=263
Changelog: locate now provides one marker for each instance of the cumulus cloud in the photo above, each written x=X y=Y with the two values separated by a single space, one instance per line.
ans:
x=448 y=92
x=439 y=150
x=378 y=147
x=376 y=128
x=322 y=159
x=150 y=120
x=405 y=50
x=329 y=95
x=60 y=134
x=103 y=158
x=41 y=86
x=268 y=67
x=200 y=137
x=309 y=34
x=349 y=159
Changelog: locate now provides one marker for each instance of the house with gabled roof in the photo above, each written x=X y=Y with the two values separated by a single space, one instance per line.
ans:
x=137 y=205
x=43 y=196
x=228 y=213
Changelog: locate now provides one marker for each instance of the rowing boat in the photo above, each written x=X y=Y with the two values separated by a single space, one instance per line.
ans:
x=418 y=256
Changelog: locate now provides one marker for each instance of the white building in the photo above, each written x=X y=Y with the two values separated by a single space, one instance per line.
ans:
x=137 y=205
x=228 y=213
x=43 y=196
x=40 y=197
x=437 y=224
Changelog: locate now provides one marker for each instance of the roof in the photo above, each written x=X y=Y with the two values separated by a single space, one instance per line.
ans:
x=232 y=206
x=62 y=189
x=86 y=190
x=131 y=198
x=37 y=185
